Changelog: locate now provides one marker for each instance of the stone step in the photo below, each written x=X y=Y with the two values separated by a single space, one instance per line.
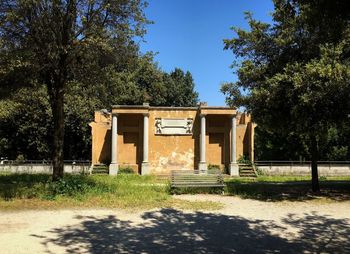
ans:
x=100 y=170
x=246 y=167
x=246 y=171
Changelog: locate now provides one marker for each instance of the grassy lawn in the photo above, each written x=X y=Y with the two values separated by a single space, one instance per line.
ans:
x=293 y=188
x=126 y=191
x=134 y=192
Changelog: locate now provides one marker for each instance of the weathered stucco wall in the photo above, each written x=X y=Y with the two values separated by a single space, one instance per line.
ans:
x=101 y=138
x=168 y=152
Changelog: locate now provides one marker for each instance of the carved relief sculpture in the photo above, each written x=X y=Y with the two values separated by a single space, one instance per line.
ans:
x=158 y=124
x=173 y=126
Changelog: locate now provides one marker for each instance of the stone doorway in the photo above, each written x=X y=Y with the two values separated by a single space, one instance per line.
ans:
x=130 y=150
x=215 y=153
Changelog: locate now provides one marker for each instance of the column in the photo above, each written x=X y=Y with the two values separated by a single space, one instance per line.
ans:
x=202 y=167
x=233 y=139
x=234 y=170
x=113 y=167
x=145 y=163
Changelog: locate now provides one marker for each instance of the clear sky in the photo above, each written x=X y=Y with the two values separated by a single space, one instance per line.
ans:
x=189 y=34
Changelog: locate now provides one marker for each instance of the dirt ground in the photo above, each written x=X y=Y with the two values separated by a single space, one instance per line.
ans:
x=242 y=226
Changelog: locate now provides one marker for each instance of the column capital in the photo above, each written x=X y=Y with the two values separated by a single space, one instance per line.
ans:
x=145 y=114
x=202 y=115
x=115 y=114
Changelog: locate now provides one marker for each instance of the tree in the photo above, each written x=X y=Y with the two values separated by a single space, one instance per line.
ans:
x=56 y=42
x=180 y=89
x=24 y=130
x=26 y=119
x=294 y=74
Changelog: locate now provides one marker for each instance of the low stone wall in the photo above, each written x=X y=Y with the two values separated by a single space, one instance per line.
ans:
x=42 y=168
x=305 y=169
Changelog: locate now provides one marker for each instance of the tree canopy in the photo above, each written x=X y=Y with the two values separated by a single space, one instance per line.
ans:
x=62 y=59
x=293 y=74
x=26 y=118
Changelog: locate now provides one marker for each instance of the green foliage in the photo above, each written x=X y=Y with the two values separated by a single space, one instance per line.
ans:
x=26 y=119
x=244 y=160
x=213 y=167
x=180 y=89
x=102 y=66
x=20 y=191
x=70 y=186
x=57 y=43
x=25 y=124
x=323 y=178
x=294 y=78
x=20 y=158
x=269 y=146
x=126 y=170
x=259 y=172
x=292 y=188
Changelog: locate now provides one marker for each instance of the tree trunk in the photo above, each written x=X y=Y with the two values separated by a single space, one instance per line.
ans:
x=57 y=107
x=314 y=170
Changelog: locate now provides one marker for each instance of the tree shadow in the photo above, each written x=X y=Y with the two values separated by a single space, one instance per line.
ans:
x=321 y=234
x=173 y=231
x=291 y=191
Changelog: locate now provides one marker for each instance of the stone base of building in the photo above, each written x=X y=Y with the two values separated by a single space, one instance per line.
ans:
x=113 y=169
x=145 y=168
x=202 y=167
x=234 y=169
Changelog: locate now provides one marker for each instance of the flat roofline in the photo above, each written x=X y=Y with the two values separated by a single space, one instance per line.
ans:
x=130 y=106
x=173 y=108
x=215 y=107
x=170 y=107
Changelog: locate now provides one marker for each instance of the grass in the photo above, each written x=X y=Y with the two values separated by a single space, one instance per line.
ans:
x=134 y=192
x=125 y=191
x=292 y=188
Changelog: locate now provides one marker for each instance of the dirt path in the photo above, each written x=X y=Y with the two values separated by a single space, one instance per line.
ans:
x=242 y=226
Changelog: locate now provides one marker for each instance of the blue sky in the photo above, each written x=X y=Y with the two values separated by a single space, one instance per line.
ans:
x=189 y=34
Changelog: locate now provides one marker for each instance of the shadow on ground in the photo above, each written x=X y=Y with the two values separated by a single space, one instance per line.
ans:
x=173 y=231
x=291 y=191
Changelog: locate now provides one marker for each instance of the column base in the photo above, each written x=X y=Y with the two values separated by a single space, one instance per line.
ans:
x=234 y=169
x=145 y=168
x=113 y=169
x=202 y=167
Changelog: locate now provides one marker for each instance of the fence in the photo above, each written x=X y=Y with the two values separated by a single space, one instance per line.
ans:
x=325 y=168
x=43 y=166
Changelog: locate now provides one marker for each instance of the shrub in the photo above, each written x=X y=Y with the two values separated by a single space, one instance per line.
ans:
x=243 y=159
x=212 y=166
x=126 y=170
x=70 y=186
x=259 y=171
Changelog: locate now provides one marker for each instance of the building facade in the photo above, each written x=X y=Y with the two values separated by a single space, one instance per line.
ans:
x=156 y=140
